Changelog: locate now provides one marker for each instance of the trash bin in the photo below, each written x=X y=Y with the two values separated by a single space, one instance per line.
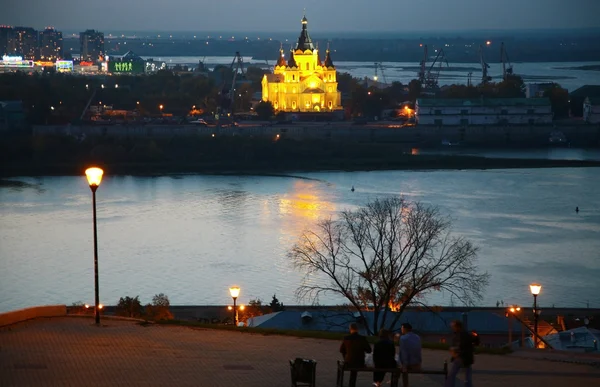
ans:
x=303 y=372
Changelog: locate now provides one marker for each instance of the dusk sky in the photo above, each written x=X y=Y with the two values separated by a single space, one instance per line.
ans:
x=284 y=15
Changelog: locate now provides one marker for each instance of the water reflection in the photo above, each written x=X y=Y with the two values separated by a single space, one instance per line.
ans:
x=191 y=237
x=305 y=202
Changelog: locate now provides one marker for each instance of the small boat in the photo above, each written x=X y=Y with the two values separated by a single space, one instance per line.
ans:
x=352 y=189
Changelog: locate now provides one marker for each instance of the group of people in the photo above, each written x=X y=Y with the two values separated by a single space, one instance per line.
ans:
x=355 y=347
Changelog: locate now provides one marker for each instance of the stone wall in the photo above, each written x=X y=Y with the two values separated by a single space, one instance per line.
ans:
x=15 y=316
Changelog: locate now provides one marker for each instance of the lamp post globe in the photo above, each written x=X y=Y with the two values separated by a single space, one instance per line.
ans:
x=94 y=178
x=535 y=290
x=234 y=291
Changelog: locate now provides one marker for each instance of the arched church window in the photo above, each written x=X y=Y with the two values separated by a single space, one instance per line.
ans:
x=330 y=104
x=293 y=104
x=307 y=66
x=293 y=77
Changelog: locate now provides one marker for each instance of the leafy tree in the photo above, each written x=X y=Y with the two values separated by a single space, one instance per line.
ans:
x=512 y=87
x=159 y=309
x=264 y=110
x=129 y=307
x=275 y=305
x=414 y=90
x=253 y=309
x=386 y=256
x=559 y=99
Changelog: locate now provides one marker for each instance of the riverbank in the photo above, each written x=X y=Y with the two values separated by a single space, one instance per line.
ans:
x=402 y=162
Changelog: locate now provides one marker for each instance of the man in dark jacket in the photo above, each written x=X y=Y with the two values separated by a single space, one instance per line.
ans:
x=463 y=356
x=353 y=349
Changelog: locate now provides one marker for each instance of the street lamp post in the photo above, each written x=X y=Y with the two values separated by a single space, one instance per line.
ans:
x=511 y=312
x=94 y=177
x=535 y=290
x=235 y=292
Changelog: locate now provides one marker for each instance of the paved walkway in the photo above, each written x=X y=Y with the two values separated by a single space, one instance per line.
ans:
x=73 y=352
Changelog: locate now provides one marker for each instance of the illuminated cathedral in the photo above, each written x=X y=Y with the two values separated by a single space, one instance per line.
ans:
x=303 y=83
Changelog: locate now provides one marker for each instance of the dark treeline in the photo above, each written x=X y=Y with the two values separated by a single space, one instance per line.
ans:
x=55 y=98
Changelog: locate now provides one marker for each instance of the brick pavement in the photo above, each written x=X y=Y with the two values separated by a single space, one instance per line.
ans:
x=73 y=352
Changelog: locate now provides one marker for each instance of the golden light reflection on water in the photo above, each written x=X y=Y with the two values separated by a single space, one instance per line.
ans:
x=305 y=202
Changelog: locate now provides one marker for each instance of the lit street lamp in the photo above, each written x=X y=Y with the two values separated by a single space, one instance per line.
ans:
x=535 y=290
x=94 y=177
x=235 y=292
x=512 y=310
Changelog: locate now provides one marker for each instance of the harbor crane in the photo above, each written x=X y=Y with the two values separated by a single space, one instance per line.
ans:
x=422 y=73
x=485 y=78
x=379 y=66
x=433 y=73
x=228 y=89
x=506 y=71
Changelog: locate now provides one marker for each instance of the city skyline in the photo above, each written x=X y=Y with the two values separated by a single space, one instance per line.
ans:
x=269 y=15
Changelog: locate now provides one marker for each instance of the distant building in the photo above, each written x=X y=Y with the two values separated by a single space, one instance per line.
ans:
x=25 y=42
x=496 y=111
x=51 y=44
x=577 y=98
x=536 y=90
x=303 y=83
x=591 y=110
x=6 y=40
x=91 y=46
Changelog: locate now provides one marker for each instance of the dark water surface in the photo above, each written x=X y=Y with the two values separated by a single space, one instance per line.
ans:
x=193 y=236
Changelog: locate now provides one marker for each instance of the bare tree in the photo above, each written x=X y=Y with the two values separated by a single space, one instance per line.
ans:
x=386 y=256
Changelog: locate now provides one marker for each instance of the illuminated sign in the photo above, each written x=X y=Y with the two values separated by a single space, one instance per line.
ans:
x=130 y=67
x=44 y=63
x=64 y=66
x=15 y=62
x=85 y=64
x=152 y=67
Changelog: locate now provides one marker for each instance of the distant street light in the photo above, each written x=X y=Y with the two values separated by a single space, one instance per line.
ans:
x=512 y=310
x=94 y=177
x=235 y=292
x=160 y=107
x=116 y=86
x=535 y=290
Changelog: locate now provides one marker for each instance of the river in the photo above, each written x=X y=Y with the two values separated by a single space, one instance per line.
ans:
x=562 y=73
x=192 y=236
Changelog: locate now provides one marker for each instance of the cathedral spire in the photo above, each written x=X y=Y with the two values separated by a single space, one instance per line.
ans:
x=281 y=59
x=328 y=61
x=304 y=41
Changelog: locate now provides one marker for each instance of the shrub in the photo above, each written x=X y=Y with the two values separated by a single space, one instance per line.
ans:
x=159 y=309
x=129 y=307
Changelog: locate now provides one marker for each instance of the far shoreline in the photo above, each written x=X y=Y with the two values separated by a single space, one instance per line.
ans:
x=410 y=163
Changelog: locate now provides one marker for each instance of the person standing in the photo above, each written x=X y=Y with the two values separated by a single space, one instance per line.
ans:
x=353 y=348
x=463 y=356
x=383 y=355
x=410 y=352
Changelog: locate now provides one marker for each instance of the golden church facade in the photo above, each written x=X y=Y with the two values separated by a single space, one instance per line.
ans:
x=303 y=83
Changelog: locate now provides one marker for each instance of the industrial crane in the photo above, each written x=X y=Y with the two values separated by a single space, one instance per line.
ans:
x=431 y=80
x=506 y=71
x=422 y=73
x=228 y=93
x=485 y=78
x=379 y=66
